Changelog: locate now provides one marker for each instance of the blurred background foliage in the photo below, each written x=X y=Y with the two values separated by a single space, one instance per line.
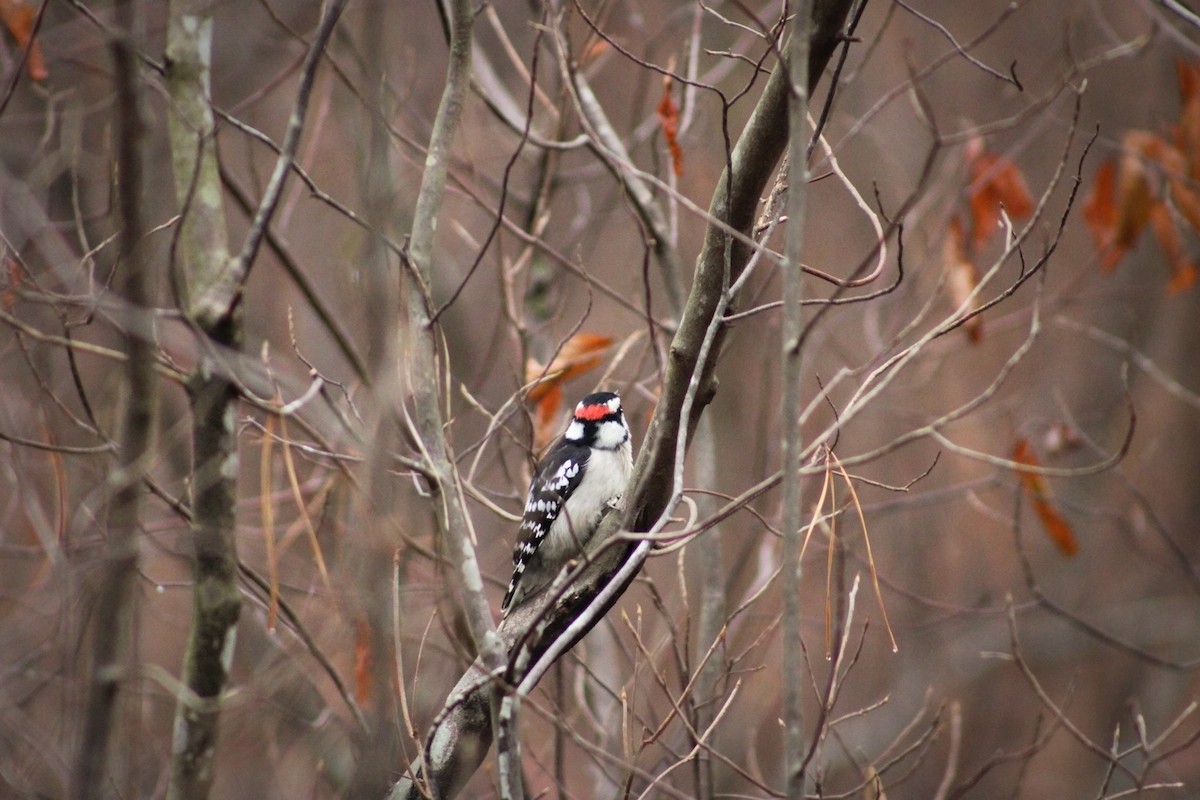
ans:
x=969 y=108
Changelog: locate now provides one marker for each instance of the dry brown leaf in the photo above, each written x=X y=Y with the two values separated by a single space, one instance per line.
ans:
x=545 y=418
x=18 y=16
x=962 y=276
x=668 y=117
x=1121 y=205
x=593 y=51
x=1183 y=270
x=1189 y=79
x=1100 y=213
x=1055 y=525
x=1187 y=131
x=1182 y=278
x=995 y=183
x=1187 y=201
x=579 y=354
x=1057 y=528
x=1133 y=196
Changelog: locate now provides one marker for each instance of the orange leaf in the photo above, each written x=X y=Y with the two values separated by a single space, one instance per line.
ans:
x=362 y=661
x=1057 y=528
x=1100 y=213
x=18 y=16
x=962 y=276
x=593 y=51
x=1187 y=201
x=668 y=117
x=1182 y=278
x=995 y=182
x=1023 y=454
x=1164 y=230
x=1121 y=205
x=1155 y=148
x=1183 y=271
x=1187 y=132
x=1133 y=197
x=579 y=354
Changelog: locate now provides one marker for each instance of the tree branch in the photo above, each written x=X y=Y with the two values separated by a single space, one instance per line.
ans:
x=790 y=405
x=207 y=291
x=114 y=607
x=235 y=276
x=556 y=620
x=422 y=376
x=448 y=753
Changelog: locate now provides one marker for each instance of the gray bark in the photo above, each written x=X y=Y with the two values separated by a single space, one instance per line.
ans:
x=459 y=739
x=792 y=677
x=115 y=601
x=210 y=285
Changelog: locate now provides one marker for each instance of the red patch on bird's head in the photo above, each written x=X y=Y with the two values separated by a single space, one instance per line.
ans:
x=592 y=412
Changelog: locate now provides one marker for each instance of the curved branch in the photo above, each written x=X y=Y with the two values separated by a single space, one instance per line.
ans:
x=462 y=734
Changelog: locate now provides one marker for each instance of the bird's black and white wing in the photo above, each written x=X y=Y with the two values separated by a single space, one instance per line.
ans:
x=559 y=475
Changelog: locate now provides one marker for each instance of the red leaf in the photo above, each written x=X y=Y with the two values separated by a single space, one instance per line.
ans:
x=1057 y=528
x=668 y=117
x=1123 y=201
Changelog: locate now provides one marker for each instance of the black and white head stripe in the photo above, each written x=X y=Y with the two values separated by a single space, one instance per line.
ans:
x=598 y=422
x=598 y=406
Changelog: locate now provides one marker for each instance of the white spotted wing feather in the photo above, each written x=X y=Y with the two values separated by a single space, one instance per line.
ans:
x=553 y=529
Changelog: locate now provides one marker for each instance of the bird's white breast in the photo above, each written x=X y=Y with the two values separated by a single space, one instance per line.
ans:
x=607 y=473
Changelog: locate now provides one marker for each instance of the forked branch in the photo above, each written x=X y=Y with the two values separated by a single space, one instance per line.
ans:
x=543 y=630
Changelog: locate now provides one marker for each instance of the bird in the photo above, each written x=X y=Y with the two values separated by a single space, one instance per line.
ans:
x=583 y=474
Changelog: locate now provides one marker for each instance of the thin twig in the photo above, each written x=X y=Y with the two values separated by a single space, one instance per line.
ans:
x=291 y=140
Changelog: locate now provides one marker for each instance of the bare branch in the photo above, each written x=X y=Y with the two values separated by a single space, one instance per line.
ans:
x=559 y=617
x=240 y=267
x=203 y=247
x=790 y=404
x=115 y=601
